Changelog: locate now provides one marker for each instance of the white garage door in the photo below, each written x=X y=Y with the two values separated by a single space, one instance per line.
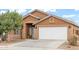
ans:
x=57 y=33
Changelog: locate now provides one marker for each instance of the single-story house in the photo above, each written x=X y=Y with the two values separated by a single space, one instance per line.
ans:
x=41 y=25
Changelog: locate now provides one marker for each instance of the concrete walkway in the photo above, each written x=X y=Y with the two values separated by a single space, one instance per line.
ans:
x=35 y=45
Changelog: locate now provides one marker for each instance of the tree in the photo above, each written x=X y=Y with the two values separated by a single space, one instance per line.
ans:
x=16 y=18
x=10 y=21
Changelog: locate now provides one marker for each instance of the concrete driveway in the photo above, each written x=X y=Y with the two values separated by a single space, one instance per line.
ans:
x=39 y=44
x=34 y=45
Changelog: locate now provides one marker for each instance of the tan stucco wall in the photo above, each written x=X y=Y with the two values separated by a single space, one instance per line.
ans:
x=11 y=36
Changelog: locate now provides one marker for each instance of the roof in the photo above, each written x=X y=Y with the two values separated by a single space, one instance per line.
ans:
x=39 y=11
x=42 y=19
x=34 y=11
x=64 y=19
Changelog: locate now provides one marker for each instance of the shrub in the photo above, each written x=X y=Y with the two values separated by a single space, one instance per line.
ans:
x=74 y=41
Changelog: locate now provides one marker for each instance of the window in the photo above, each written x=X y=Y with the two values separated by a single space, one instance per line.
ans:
x=77 y=32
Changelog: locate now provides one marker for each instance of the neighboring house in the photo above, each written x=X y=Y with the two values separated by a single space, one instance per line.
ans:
x=40 y=25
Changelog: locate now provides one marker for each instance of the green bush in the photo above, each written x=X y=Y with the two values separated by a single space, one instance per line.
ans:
x=74 y=41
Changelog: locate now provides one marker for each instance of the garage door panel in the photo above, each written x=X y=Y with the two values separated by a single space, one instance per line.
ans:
x=53 y=33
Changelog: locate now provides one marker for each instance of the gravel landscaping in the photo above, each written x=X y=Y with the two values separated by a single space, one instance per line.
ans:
x=66 y=46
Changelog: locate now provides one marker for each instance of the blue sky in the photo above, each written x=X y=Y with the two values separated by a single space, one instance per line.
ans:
x=71 y=14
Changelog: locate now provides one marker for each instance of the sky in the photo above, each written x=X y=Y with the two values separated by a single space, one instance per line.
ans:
x=63 y=8
x=23 y=4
